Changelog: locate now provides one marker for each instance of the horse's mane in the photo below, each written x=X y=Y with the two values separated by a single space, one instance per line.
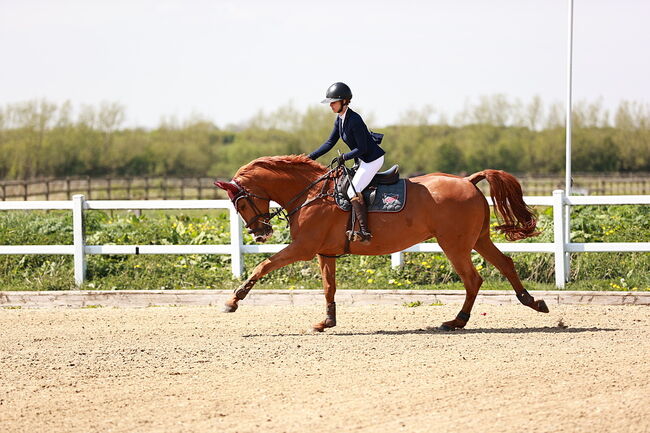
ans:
x=290 y=166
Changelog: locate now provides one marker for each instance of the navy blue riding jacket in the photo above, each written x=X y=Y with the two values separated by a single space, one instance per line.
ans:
x=356 y=135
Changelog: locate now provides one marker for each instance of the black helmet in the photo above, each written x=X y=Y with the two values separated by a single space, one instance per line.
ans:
x=336 y=92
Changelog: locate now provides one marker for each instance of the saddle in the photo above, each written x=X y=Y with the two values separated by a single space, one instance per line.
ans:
x=386 y=185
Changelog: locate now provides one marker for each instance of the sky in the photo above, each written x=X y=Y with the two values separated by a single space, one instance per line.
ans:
x=226 y=60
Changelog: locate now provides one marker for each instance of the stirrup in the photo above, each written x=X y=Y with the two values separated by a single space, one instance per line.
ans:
x=357 y=236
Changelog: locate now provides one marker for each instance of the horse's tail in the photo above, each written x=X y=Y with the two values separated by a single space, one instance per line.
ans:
x=519 y=220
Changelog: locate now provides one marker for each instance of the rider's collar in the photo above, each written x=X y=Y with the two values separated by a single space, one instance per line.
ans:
x=342 y=116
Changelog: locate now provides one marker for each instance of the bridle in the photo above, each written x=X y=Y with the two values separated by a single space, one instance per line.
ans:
x=245 y=194
x=266 y=217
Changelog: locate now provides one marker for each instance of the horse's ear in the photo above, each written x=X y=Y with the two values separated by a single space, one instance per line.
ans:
x=230 y=188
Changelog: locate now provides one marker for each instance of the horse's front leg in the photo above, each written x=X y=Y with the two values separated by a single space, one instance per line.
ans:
x=328 y=274
x=290 y=254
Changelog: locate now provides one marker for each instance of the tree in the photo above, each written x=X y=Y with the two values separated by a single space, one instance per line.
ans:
x=450 y=158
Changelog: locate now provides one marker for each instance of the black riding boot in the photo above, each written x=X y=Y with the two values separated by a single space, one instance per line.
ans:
x=361 y=212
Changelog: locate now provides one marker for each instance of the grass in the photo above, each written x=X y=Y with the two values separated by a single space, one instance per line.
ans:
x=413 y=304
x=421 y=271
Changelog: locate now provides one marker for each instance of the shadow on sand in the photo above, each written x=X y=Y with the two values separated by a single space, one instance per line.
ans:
x=430 y=330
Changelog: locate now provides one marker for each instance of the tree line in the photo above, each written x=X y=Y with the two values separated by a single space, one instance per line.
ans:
x=43 y=139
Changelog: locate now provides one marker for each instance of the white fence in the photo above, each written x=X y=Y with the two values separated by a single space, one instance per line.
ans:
x=560 y=247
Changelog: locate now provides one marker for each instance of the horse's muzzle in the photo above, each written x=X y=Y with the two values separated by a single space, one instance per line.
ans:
x=261 y=234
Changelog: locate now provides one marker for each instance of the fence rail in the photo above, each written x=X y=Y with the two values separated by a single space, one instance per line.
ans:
x=199 y=188
x=111 y=188
x=560 y=247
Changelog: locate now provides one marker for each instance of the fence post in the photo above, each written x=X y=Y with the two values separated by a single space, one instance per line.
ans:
x=236 y=243
x=559 y=238
x=78 y=239
x=397 y=259
x=567 y=239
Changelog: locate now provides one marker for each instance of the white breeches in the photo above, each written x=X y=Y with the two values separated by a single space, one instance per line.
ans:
x=364 y=175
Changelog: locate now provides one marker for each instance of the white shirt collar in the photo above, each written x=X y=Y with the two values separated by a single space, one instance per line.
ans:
x=342 y=116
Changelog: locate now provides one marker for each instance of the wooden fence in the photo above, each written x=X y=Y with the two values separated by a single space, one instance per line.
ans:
x=111 y=188
x=200 y=188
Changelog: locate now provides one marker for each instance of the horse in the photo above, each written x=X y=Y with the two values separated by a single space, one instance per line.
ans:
x=446 y=207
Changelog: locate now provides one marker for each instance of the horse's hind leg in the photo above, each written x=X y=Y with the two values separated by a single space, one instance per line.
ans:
x=462 y=263
x=485 y=247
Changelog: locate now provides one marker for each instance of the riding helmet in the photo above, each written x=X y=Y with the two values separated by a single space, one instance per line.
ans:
x=337 y=92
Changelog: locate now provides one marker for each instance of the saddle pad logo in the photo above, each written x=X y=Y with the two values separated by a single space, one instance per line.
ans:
x=382 y=198
x=391 y=201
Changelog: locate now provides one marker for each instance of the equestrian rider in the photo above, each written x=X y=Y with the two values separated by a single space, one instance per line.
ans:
x=364 y=148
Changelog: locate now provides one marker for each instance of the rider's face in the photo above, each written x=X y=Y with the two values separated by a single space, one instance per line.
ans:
x=336 y=106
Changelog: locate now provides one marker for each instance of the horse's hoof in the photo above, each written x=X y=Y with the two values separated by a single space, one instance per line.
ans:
x=452 y=325
x=228 y=308
x=319 y=327
x=542 y=307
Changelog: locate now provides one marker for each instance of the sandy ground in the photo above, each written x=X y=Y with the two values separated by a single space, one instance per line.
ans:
x=194 y=369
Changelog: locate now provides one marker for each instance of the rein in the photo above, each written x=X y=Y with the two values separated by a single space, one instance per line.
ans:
x=282 y=212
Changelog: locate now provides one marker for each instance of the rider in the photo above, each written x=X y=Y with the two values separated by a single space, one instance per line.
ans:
x=364 y=146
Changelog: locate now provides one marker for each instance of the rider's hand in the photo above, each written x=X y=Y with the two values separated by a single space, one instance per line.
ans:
x=339 y=160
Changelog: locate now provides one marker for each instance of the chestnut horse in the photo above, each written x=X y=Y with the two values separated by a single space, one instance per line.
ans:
x=448 y=208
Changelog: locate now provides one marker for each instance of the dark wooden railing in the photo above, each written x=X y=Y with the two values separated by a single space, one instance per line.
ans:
x=111 y=188
x=172 y=188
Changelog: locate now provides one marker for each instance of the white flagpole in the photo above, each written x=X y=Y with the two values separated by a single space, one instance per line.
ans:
x=567 y=180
